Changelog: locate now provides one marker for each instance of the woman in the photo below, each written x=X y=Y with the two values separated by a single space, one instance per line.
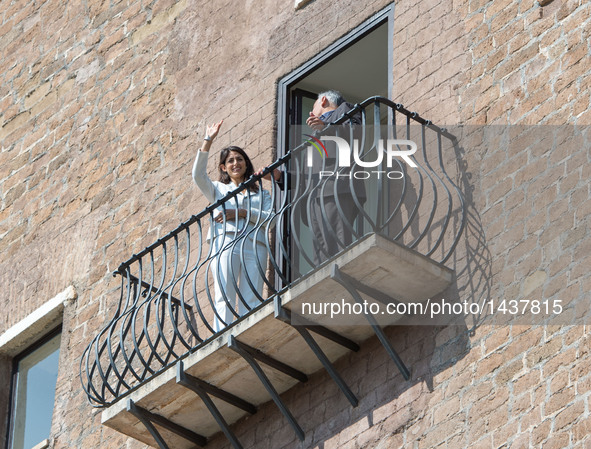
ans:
x=238 y=246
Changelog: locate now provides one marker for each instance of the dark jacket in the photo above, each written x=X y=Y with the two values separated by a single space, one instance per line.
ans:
x=329 y=163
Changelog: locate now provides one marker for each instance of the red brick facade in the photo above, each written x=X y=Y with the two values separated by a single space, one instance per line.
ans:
x=103 y=105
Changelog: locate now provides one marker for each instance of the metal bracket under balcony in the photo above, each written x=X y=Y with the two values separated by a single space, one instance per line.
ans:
x=274 y=348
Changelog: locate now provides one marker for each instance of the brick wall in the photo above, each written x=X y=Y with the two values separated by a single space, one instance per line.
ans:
x=102 y=104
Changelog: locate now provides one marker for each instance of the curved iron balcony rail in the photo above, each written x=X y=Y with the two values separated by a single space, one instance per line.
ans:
x=169 y=291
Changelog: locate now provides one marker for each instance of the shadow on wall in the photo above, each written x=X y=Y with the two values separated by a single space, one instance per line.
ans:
x=474 y=270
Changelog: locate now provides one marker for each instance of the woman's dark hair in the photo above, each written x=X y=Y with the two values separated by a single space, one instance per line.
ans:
x=225 y=178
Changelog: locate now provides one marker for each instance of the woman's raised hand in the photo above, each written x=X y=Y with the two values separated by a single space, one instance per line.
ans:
x=213 y=130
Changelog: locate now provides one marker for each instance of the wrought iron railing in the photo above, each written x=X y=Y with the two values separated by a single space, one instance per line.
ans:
x=169 y=291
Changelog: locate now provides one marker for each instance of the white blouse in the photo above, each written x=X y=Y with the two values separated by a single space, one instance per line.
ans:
x=259 y=202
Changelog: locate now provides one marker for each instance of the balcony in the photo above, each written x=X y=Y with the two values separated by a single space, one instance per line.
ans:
x=171 y=370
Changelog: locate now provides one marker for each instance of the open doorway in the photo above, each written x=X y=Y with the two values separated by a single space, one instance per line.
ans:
x=359 y=66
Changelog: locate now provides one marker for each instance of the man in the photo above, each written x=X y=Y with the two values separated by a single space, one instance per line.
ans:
x=332 y=212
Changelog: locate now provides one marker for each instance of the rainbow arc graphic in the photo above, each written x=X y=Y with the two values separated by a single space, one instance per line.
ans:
x=316 y=142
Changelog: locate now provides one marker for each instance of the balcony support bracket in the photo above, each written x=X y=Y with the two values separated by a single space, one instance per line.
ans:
x=148 y=419
x=285 y=315
x=251 y=355
x=203 y=390
x=354 y=287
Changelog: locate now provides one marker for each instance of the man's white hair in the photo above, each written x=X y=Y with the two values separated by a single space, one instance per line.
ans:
x=334 y=97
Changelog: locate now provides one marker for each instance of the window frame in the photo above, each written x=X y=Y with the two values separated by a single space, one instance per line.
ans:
x=14 y=379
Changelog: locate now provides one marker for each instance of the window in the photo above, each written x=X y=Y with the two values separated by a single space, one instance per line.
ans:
x=33 y=393
x=29 y=350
